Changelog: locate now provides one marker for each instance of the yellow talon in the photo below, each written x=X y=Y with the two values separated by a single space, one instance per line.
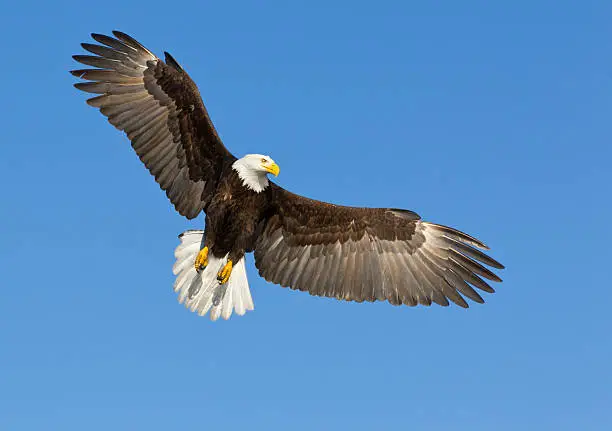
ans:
x=224 y=275
x=201 y=260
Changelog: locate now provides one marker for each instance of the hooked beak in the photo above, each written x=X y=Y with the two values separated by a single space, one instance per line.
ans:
x=272 y=168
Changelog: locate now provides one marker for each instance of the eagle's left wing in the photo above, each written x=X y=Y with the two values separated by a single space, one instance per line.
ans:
x=159 y=108
x=368 y=254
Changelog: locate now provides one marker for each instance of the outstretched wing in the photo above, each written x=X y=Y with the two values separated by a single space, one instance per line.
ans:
x=368 y=254
x=159 y=108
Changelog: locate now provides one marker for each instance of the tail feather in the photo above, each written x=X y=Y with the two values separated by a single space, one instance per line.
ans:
x=200 y=291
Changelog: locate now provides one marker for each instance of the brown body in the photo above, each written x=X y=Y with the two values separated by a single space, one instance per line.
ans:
x=233 y=217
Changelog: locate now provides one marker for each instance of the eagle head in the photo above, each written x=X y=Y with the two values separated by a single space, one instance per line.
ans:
x=253 y=169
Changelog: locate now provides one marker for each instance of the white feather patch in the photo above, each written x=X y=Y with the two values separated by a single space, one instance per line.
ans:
x=200 y=291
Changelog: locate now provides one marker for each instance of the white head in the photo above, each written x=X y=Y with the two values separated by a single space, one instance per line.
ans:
x=253 y=170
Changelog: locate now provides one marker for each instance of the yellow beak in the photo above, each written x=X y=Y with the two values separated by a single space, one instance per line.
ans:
x=272 y=168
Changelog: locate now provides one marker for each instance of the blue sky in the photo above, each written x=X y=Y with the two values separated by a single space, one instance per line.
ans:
x=492 y=117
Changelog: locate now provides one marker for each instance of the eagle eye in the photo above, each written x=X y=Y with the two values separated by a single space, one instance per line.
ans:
x=263 y=160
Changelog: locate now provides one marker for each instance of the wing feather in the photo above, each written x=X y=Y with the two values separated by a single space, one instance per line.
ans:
x=113 y=43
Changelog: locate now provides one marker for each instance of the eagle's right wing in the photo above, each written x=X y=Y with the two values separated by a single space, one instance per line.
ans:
x=159 y=108
x=368 y=254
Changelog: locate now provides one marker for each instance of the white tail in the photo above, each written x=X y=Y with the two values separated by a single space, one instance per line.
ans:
x=200 y=291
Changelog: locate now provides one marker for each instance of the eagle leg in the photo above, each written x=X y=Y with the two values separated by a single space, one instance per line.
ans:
x=224 y=275
x=201 y=260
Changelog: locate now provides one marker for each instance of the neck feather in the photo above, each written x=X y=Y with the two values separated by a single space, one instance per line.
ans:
x=251 y=179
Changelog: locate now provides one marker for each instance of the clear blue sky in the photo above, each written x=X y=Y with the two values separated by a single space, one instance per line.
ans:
x=493 y=117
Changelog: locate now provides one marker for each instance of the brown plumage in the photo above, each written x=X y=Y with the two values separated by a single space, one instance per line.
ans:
x=354 y=254
x=160 y=110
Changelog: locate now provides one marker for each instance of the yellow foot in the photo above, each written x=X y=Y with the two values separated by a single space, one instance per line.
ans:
x=224 y=275
x=201 y=260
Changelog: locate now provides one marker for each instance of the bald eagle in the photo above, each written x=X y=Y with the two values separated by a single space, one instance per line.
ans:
x=348 y=253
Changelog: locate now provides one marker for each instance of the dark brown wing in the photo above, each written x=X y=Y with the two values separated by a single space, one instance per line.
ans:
x=159 y=108
x=368 y=254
